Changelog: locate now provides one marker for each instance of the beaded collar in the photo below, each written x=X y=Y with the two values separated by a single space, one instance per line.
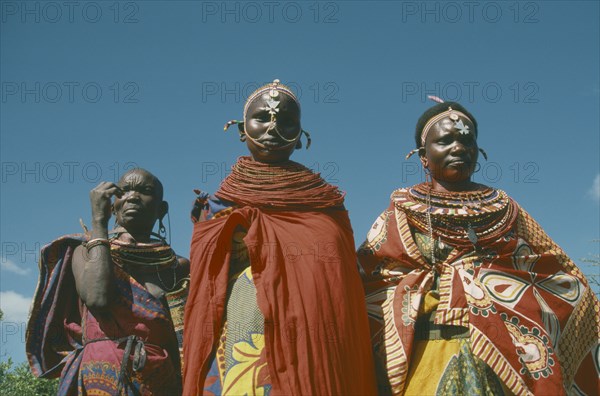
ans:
x=487 y=212
x=286 y=185
x=151 y=256
x=460 y=204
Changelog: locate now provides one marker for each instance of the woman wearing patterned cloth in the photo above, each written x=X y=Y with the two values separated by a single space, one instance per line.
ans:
x=276 y=304
x=108 y=311
x=466 y=293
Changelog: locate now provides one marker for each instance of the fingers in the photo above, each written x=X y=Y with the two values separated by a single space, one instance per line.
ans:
x=115 y=190
x=101 y=201
x=107 y=190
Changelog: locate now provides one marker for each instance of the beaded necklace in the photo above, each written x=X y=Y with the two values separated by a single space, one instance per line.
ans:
x=145 y=257
x=286 y=185
x=461 y=219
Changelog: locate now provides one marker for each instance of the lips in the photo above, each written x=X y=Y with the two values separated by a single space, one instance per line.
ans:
x=459 y=161
x=131 y=209
x=270 y=143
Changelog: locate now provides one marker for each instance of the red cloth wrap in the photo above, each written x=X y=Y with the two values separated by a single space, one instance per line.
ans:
x=308 y=289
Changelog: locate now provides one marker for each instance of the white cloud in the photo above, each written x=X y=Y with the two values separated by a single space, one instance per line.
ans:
x=7 y=265
x=595 y=189
x=15 y=306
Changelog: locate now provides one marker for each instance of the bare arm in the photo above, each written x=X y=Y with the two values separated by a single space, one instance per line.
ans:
x=93 y=267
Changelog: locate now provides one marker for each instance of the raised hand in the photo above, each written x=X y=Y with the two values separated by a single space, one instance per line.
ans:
x=101 y=202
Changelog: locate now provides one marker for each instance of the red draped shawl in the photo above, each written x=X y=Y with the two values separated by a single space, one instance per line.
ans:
x=308 y=290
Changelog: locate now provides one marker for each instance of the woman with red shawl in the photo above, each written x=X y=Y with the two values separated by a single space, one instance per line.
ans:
x=276 y=304
x=466 y=292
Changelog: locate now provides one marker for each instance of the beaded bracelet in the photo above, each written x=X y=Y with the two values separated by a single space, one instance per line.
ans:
x=95 y=242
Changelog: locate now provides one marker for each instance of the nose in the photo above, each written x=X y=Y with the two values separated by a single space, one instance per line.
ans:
x=131 y=195
x=271 y=128
x=458 y=147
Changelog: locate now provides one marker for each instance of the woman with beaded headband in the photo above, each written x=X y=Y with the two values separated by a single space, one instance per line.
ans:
x=107 y=315
x=276 y=304
x=466 y=293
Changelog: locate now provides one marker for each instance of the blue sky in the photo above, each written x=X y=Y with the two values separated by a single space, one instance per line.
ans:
x=92 y=88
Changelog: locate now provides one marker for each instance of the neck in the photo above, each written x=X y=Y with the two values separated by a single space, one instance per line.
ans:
x=268 y=161
x=133 y=236
x=445 y=186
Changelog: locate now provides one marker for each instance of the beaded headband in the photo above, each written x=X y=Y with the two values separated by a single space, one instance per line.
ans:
x=273 y=88
x=453 y=115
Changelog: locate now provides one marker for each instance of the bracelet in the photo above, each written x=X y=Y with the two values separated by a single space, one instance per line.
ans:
x=95 y=242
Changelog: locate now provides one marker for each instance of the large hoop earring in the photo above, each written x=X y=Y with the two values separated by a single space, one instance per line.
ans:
x=162 y=231
x=308 y=139
x=169 y=224
x=482 y=151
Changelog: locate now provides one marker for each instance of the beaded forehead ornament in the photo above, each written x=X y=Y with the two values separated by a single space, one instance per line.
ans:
x=272 y=107
x=454 y=115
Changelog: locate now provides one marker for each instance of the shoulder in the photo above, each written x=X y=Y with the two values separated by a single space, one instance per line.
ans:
x=399 y=193
x=183 y=265
x=61 y=245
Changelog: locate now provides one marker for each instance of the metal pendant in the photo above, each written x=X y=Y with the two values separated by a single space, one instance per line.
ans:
x=462 y=128
x=472 y=235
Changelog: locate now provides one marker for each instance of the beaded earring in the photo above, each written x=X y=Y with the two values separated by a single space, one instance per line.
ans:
x=427 y=175
x=240 y=125
x=411 y=152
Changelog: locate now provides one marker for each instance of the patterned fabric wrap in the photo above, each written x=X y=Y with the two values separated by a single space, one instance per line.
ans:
x=176 y=303
x=531 y=315
x=66 y=339
x=239 y=365
x=308 y=293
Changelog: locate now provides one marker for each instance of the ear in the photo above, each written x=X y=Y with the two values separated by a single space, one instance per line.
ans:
x=240 y=126
x=298 y=144
x=163 y=209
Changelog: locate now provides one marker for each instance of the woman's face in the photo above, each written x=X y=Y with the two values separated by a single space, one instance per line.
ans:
x=451 y=150
x=277 y=133
x=141 y=203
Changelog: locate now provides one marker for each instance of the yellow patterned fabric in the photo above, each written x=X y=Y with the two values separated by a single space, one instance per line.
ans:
x=443 y=367
x=239 y=366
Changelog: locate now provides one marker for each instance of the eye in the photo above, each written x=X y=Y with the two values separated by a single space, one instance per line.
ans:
x=286 y=121
x=262 y=116
x=468 y=140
